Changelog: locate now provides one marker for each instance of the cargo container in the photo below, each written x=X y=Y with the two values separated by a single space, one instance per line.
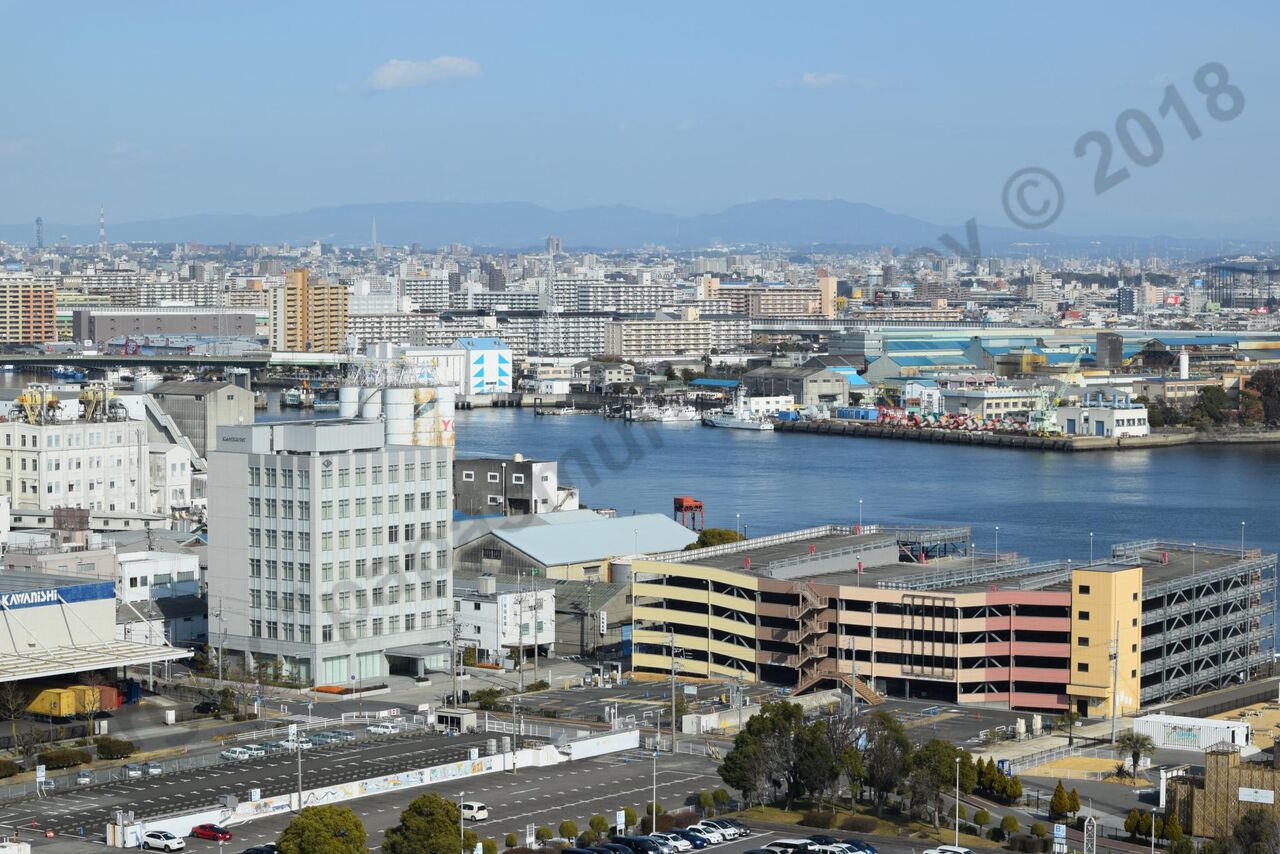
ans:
x=1171 y=732
x=54 y=703
x=110 y=697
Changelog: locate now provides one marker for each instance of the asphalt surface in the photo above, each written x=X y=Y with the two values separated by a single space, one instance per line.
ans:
x=91 y=807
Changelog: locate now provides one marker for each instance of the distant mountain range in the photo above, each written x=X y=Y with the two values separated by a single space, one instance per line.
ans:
x=799 y=224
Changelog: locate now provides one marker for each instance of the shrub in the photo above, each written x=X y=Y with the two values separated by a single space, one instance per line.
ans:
x=982 y=818
x=540 y=685
x=543 y=834
x=1039 y=831
x=62 y=758
x=489 y=846
x=971 y=829
x=996 y=834
x=599 y=824
x=509 y=840
x=115 y=748
x=859 y=824
x=8 y=768
x=568 y=829
x=823 y=820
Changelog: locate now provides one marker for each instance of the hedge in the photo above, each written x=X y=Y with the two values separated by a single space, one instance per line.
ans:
x=859 y=824
x=823 y=820
x=114 y=748
x=62 y=758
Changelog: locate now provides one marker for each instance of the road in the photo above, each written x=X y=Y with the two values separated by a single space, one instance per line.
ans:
x=92 y=807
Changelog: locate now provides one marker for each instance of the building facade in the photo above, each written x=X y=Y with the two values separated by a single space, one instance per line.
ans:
x=308 y=316
x=329 y=551
x=28 y=310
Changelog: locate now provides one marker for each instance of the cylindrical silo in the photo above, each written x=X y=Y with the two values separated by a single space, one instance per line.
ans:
x=371 y=403
x=433 y=416
x=348 y=401
x=398 y=408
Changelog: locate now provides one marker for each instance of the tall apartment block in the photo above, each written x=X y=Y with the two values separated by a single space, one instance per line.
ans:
x=308 y=316
x=329 y=555
x=28 y=312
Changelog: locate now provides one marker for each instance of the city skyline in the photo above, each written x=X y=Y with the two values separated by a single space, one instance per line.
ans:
x=682 y=114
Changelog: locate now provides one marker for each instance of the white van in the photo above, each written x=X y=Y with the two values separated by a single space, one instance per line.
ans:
x=473 y=811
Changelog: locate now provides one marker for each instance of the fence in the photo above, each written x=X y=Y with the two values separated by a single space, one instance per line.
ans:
x=1044 y=757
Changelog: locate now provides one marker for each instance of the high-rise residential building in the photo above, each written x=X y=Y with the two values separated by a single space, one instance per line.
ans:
x=28 y=312
x=308 y=315
x=329 y=555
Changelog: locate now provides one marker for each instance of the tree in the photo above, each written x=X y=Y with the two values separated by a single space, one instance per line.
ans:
x=653 y=808
x=721 y=798
x=1067 y=720
x=1009 y=825
x=13 y=704
x=815 y=766
x=1173 y=828
x=932 y=776
x=542 y=834
x=714 y=537
x=981 y=818
x=1039 y=830
x=1073 y=801
x=429 y=823
x=885 y=760
x=1266 y=383
x=1255 y=832
x=599 y=824
x=568 y=829
x=1131 y=823
x=1144 y=825
x=489 y=846
x=629 y=816
x=706 y=802
x=764 y=751
x=509 y=841
x=332 y=829
x=1135 y=744
x=1060 y=803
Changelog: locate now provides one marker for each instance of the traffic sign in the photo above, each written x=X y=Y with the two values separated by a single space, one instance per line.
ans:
x=1059 y=831
x=621 y=823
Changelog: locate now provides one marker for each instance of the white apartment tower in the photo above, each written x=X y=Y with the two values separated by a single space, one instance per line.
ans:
x=329 y=551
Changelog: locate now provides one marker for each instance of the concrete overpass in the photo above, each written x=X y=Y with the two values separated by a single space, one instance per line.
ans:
x=252 y=361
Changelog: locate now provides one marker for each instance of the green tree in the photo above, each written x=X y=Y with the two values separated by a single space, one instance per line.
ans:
x=487 y=698
x=933 y=773
x=429 y=823
x=1135 y=744
x=629 y=816
x=489 y=846
x=714 y=537
x=885 y=761
x=764 y=751
x=981 y=818
x=814 y=769
x=1009 y=825
x=542 y=834
x=1266 y=383
x=652 y=808
x=599 y=824
x=568 y=830
x=332 y=829
x=1073 y=801
x=1173 y=828
x=706 y=802
x=1144 y=825
x=1039 y=830
x=1255 y=832
x=720 y=797
x=1060 y=803
x=1132 y=822
x=1067 y=720
x=509 y=841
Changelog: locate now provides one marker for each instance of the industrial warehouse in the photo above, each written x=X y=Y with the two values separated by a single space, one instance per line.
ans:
x=916 y=613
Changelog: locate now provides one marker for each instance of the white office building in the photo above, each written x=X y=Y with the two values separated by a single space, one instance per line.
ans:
x=329 y=551
x=505 y=620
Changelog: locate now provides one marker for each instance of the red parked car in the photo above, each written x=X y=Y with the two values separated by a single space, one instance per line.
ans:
x=211 y=831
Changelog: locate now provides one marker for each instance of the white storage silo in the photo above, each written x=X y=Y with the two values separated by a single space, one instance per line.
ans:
x=398 y=406
x=433 y=416
x=348 y=401
x=371 y=403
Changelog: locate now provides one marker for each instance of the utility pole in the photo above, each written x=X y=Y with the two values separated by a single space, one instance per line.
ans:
x=520 y=617
x=673 y=692
x=222 y=647
x=297 y=748
x=533 y=583
x=453 y=660
x=1114 y=651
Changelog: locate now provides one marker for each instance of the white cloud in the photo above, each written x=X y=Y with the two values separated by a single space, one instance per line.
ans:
x=820 y=78
x=404 y=73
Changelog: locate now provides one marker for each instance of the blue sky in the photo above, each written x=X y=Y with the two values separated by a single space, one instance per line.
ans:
x=163 y=109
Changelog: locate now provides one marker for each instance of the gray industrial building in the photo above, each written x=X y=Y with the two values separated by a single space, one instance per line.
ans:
x=104 y=324
x=810 y=385
x=200 y=408
x=509 y=486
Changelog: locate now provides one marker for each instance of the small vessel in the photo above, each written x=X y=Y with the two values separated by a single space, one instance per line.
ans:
x=298 y=397
x=669 y=414
x=144 y=380
x=567 y=409
x=65 y=372
x=8 y=369
x=325 y=405
x=738 y=415
x=259 y=400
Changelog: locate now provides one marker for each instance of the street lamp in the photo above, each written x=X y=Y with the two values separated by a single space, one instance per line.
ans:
x=997 y=543
x=462 y=828
x=1153 y=830
x=737 y=523
x=972 y=548
x=1242 y=540
x=653 y=816
x=859 y=515
x=957 y=801
x=1091 y=548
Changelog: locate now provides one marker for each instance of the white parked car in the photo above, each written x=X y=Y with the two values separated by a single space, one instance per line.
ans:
x=382 y=729
x=787 y=846
x=255 y=750
x=474 y=811
x=949 y=849
x=235 y=753
x=711 y=834
x=674 y=841
x=727 y=830
x=162 y=840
